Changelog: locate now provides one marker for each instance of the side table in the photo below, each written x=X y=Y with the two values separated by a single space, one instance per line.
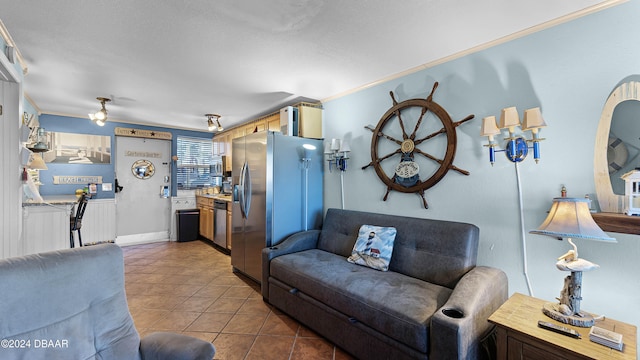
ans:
x=519 y=337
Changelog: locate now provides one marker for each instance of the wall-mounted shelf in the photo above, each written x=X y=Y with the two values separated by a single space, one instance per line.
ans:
x=619 y=223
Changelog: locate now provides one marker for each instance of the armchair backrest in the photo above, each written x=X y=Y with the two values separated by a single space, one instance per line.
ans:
x=73 y=299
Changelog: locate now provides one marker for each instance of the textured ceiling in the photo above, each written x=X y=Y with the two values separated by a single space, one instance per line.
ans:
x=170 y=62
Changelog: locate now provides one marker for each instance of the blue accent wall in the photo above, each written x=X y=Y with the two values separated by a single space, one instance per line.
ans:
x=107 y=171
x=569 y=71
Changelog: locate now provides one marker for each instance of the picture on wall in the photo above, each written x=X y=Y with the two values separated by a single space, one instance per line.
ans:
x=71 y=148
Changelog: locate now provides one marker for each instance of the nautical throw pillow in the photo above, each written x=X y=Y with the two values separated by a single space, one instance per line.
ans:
x=373 y=247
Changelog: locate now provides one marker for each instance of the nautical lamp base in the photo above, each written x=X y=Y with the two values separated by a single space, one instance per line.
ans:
x=581 y=319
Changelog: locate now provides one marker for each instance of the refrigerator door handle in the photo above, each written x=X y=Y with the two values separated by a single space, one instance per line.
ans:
x=240 y=190
x=247 y=190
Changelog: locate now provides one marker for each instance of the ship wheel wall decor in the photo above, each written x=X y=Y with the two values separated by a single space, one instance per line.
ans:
x=406 y=146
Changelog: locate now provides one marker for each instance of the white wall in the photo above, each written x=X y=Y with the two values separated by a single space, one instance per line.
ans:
x=10 y=169
x=569 y=71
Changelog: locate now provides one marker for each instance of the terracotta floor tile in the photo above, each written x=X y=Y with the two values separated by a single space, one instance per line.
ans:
x=175 y=321
x=245 y=324
x=312 y=349
x=254 y=306
x=226 y=305
x=191 y=288
x=279 y=325
x=196 y=303
x=232 y=346
x=240 y=292
x=210 y=322
x=271 y=348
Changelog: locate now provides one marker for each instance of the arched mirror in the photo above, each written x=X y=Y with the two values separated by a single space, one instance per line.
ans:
x=143 y=169
x=617 y=147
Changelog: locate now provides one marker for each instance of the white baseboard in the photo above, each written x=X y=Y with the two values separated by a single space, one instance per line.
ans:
x=144 y=238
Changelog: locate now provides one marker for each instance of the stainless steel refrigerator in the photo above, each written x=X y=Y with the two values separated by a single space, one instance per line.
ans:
x=278 y=191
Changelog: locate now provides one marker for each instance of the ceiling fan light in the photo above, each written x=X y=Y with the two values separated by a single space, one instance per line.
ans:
x=100 y=122
x=220 y=128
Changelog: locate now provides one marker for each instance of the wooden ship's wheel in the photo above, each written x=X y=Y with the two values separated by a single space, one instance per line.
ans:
x=410 y=130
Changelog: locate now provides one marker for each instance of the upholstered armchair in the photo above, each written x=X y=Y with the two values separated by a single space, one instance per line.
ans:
x=71 y=304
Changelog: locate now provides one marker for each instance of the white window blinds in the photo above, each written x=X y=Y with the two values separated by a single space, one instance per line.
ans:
x=194 y=160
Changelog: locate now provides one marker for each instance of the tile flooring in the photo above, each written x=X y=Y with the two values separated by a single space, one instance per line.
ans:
x=190 y=288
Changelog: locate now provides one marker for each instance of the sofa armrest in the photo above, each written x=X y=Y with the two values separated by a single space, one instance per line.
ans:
x=458 y=327
x=170 y=346
x=300 y=241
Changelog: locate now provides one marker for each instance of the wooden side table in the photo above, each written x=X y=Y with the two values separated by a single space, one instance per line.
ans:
x=519 y=337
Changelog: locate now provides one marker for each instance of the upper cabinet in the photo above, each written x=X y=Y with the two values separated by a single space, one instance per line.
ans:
x=309 y=117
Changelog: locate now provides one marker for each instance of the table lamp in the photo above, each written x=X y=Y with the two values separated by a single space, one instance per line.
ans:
x=571 y=218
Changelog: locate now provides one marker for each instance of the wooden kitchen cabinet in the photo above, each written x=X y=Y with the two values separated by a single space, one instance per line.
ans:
x=205 y=205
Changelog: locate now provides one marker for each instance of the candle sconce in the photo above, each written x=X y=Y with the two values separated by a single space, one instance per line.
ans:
x=517 y=147
x=337 y=153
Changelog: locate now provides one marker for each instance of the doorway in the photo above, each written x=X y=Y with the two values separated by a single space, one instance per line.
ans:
x=143 y=205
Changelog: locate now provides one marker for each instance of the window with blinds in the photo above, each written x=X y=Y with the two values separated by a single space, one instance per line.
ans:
x=194 y=160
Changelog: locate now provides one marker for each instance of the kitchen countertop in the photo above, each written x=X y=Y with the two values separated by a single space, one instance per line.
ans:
x=223 y=197
x=53 y=200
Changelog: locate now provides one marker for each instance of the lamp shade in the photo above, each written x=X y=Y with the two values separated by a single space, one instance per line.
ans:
x=344 y=146
x=489 y=127
x=37 y=163
x=509 y=118
x=571 y=218
x=532 y=120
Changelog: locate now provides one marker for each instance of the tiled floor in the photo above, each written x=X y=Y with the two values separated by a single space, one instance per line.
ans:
x=190 y=288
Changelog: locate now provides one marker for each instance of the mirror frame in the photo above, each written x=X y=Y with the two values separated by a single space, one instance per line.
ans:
x=607 y=199
x=143 y=163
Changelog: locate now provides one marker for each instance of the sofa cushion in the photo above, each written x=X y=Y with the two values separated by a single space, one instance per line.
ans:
x=394 y=304
x=373 y=247
x=437 y=251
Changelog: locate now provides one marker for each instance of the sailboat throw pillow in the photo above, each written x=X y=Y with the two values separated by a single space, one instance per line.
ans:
x=373 y=247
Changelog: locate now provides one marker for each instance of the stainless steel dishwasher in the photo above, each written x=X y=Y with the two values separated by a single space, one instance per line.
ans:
x=220 y=223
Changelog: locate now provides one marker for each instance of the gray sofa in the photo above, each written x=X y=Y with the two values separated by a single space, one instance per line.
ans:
x=433 y=303
x=71 y=304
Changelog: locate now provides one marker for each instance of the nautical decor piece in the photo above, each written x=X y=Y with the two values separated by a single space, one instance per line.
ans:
x=632 y=192
x=571 y=218
x=410 y=129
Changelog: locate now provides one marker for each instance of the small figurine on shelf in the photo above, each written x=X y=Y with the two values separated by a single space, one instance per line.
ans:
x=563 y=192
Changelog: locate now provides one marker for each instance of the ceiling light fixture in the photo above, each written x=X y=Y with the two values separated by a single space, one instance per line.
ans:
x=100 y=116
x=213 y=122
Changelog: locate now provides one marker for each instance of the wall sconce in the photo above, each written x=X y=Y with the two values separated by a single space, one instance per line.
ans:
x=516 y=151
x=100 y=116
x=213 y=122
x=517 y=148
x=337 y=153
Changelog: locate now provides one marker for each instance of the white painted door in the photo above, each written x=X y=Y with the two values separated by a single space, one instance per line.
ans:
x=142 y=214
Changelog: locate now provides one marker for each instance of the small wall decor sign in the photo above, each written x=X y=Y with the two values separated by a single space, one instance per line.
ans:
x=77 y=179
x=140 y=133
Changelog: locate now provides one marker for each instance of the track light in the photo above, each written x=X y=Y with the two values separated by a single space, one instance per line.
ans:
x=213 y=125
x=100 y=116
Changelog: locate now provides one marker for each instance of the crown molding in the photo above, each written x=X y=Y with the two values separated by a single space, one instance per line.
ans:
x=546 y=25
x=9 y=41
